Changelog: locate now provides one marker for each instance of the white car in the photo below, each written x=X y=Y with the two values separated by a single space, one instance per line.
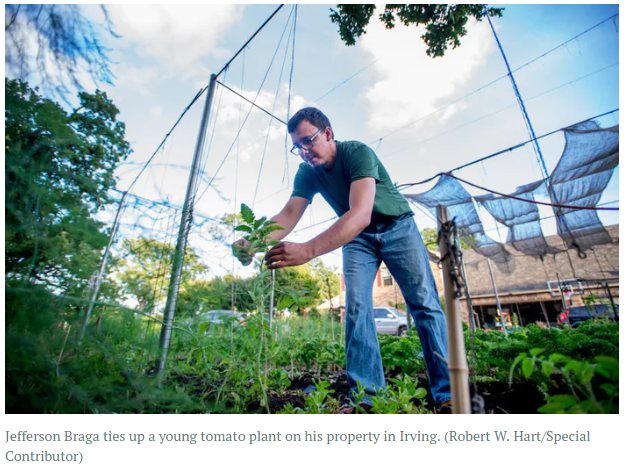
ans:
x=391 y=321
x=209 y=321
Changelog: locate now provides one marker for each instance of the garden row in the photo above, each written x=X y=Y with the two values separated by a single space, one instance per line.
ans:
x=294 y=366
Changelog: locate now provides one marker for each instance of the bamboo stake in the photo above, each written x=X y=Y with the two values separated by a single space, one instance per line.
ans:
x=457 y=364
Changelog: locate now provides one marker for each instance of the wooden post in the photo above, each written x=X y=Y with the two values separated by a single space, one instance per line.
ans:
x=457 y=364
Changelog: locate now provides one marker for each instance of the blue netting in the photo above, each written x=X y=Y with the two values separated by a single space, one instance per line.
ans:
x=450 y=193
x=583 y=172
x=522 y=218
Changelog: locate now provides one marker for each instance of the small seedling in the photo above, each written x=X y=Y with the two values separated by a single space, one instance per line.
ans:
x=257 y=232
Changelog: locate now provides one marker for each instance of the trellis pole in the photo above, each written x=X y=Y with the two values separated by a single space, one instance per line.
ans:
x=499 y=311
x=103 y=266
x=181 y=242
x=457 y=363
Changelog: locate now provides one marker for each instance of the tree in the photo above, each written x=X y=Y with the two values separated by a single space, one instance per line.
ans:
x=58 y=172
x=223 y=229
x=144 y=270
x=327 y=277
x=59 y=42
x=301 y=279
x=445 y=24
x=221 y=293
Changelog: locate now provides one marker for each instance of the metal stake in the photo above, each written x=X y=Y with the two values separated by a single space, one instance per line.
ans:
x=499 y=311
x=457 y=364
x=609 y=295
x=471 y=312
x=181 y=242
x=546 y=316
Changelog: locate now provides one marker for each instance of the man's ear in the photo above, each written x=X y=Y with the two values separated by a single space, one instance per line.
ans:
x=328 y=132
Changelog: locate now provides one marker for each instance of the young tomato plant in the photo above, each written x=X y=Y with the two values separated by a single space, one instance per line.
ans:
x=257 y=232
x=262 y=287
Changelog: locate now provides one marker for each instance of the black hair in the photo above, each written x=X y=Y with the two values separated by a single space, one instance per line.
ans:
x=310 y=114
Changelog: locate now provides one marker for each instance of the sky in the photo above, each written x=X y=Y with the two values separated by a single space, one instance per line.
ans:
x=421 y=115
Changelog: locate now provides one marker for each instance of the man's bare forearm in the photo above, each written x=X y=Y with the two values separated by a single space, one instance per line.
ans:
x=285 y=223
x=339 y=234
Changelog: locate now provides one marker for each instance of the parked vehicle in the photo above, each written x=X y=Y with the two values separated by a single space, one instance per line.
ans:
x=207 y=321
x=575 y=315
x=391 y=321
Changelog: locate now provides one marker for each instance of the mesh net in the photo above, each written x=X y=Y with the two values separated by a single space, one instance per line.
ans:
x=582 y=174
x=522 y=218
x=450 y=193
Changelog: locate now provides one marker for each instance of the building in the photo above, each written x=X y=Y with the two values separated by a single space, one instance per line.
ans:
x=530 y=293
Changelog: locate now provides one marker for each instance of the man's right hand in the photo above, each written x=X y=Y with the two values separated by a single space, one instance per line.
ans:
x=241 y=251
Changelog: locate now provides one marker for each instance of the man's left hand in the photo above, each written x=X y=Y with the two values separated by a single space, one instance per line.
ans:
x=287 y=254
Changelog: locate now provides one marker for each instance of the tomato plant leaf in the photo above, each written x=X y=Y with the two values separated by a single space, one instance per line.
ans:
x=247 y=214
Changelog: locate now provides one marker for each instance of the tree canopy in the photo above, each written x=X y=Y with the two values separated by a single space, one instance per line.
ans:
x=58 y=171
x=144 y=270
x=444 y=24
x=58 y=42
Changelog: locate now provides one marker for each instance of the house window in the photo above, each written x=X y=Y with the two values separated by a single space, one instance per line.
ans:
x=387 y=277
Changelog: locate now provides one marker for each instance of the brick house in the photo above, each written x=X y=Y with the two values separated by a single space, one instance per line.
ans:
x=531 y=291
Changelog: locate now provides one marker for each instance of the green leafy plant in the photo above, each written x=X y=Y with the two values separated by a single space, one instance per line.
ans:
x=261 y=288
x=402 y=355
x=403 y=397
x=257 y=231
x=319 y=401
x=580 y=377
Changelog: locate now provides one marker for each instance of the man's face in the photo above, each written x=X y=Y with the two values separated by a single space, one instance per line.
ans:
x=322 y=154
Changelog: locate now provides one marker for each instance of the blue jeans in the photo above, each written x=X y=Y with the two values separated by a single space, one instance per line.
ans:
x=400 y=246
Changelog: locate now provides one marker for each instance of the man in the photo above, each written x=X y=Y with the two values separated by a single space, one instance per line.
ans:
x=375 y=224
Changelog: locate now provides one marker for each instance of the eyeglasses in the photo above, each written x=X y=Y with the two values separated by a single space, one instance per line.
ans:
x=306 y=144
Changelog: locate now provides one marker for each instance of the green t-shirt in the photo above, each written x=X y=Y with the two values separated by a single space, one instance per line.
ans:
x=354 y=161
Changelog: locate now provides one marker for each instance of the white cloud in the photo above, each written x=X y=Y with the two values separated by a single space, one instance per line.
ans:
x=257 y=124
x=139 y=78
x=156 y=111
x=177 y=34
x=410 y=84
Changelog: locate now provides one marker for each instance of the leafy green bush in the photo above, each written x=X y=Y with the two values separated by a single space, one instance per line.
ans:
x=593 y=386
x=402 y=355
